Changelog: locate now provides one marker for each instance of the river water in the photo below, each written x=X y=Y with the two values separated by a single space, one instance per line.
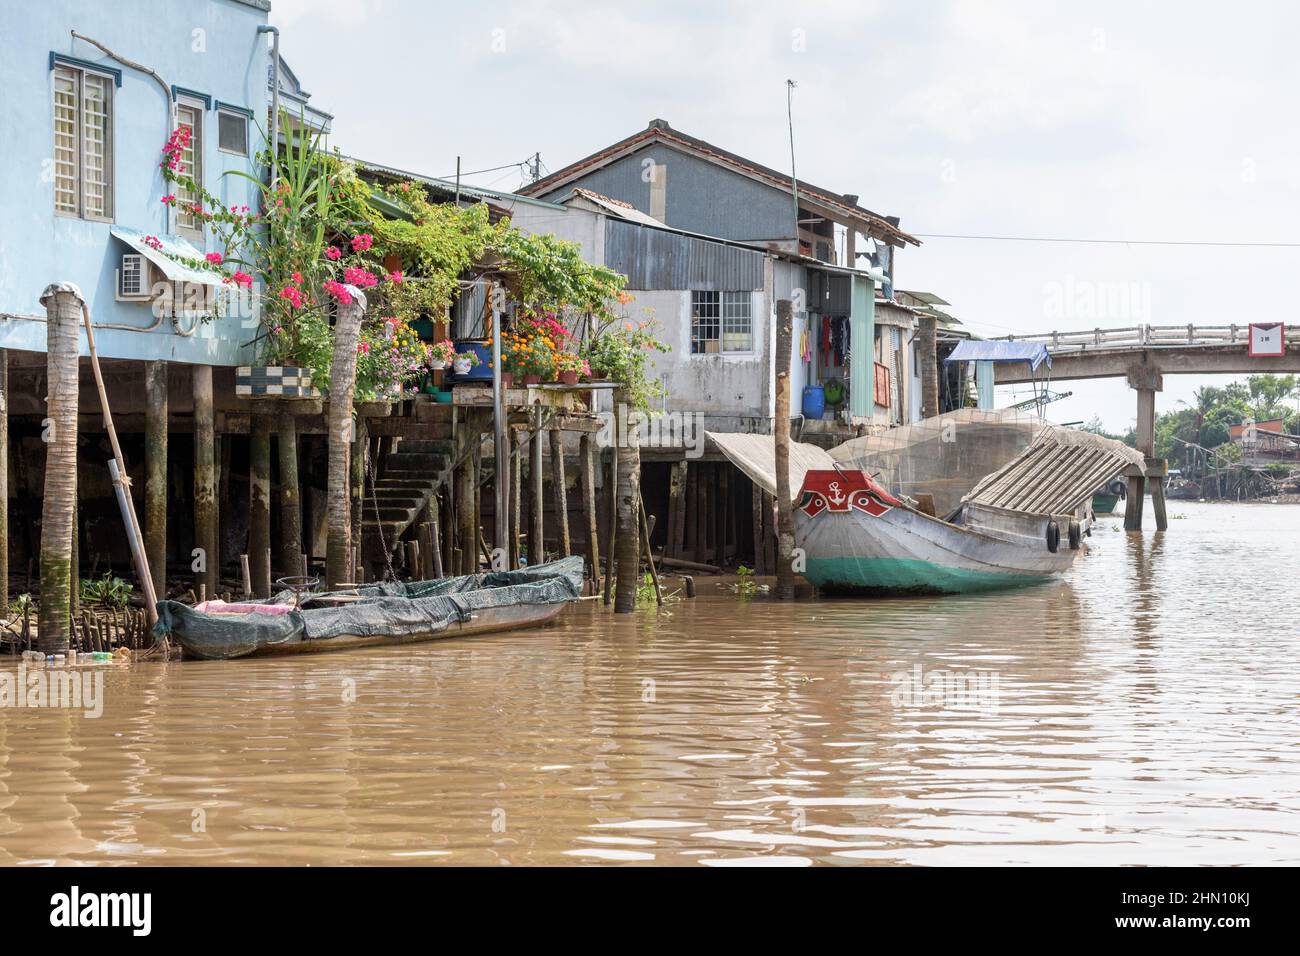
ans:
x=1142 y=710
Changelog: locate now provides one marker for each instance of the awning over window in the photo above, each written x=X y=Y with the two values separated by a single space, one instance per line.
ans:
x=1035 y=353
x=162 y=256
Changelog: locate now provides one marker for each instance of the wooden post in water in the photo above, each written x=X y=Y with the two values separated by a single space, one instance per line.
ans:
x=63 y=314
x=466 y=519
x=205 y=480
x=781 y=428
x=290 y=493
x=343 y=372
x=628 y=545
x=537 y=532
x=259 y=505
x=4 y=482
x=558 y=490
x=587 y=462
x=760 y=566
x=155 y=472
x=516 y=496
x=611 y=527
x=360 y=449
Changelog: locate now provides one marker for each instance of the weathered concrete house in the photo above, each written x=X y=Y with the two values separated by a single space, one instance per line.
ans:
x=679 y=216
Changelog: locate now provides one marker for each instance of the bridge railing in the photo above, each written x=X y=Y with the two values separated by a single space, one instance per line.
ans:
x=1149 y=336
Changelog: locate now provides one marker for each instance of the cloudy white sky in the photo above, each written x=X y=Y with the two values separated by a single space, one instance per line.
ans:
x=1107 y=120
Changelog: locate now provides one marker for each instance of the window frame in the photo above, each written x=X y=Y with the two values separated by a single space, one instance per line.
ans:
x=198 y=141
x=235 y=113
x=78 y=73
x=736 y=297
x=722 y=305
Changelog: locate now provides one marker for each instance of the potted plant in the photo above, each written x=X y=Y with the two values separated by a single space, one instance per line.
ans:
x=462 y=362
x=622 y=350
x=569 y=365
x=440 y=353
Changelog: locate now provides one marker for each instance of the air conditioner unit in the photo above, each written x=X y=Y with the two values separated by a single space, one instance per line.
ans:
x=134 y=278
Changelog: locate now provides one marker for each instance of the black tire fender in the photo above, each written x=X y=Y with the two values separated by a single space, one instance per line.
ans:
x=1053 y=537
x=1076 y=536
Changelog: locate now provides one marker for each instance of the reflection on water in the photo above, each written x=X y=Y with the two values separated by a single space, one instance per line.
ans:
x=1142 y=711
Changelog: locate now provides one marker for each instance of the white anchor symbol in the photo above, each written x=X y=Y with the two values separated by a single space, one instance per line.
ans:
x=835 y=497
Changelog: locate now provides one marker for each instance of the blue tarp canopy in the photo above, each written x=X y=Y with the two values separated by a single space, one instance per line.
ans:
x=968 y=350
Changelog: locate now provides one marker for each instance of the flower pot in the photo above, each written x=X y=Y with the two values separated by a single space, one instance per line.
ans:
x=597 y=376
x=274 y=381
x=461 y=366
x=532 y=380
x=507 y=379
x=437 y=364
x=569 y=377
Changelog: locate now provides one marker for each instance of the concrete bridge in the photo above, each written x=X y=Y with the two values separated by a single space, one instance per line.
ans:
x=1143 y=355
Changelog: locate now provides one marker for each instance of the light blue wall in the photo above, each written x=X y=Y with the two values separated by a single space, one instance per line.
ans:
x=208 y=46
x=862 y=355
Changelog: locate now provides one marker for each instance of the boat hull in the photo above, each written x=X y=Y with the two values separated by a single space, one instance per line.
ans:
x=872 y=544
x=1104 y=504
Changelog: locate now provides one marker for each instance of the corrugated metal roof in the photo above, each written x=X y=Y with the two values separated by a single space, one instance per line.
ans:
x=1057 y=473
x=662 y=259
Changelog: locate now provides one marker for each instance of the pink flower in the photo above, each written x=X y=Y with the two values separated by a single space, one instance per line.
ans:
x=243 y=278
x=215 y=258
x=169 y=199
x=153 y=242
x=334 y=253
x=358 y=277
x=362 y=242
x=293 y=295
x=297 y=278
x=363 y=348
x=338 y=290
x=395 y=277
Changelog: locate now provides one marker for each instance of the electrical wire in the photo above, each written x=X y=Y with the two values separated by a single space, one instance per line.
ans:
x=1114 y=242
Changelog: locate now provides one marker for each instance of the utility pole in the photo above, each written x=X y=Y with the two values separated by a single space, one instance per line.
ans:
x=794 y=181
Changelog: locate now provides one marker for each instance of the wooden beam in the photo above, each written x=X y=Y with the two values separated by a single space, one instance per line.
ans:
x=536 y=540
x=558 y=490
x=587 y=462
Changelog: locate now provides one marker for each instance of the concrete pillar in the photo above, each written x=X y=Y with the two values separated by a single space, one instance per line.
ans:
x=1146 y=381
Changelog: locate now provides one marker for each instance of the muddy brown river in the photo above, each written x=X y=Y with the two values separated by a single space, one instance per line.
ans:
x=1144 y=710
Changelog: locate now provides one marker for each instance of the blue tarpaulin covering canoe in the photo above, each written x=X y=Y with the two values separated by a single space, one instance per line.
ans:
x=1035 y=353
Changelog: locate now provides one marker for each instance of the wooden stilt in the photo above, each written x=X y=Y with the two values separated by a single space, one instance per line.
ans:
x=259 y=505
x=760 y=566
x=428 y=550
x=516 y=497
x=466 y=526
x=435 y=543
x=290 y=494
x=781 y=430
x=611 y=527
x=360 y=448
x=692 y=549
x=537 y=530
x=559 y=491
x=155 y=472
x=205 y=479
x=63 y=313
x=587 y=463
x=629 y=531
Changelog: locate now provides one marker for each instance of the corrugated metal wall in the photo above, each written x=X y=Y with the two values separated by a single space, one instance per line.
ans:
x=654 y=259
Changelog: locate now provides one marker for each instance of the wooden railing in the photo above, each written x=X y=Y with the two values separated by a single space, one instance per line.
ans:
x=1150 y=336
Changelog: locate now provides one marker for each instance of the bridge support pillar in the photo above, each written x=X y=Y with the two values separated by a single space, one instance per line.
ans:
x=1146 y=381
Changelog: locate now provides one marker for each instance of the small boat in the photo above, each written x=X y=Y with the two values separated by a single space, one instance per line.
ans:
x=1105 y=499
x=375 y=615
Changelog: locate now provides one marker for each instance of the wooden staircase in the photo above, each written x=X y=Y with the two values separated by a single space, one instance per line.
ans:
x=409 y=479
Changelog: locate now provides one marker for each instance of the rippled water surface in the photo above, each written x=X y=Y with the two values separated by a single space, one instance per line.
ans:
x=1143 y=710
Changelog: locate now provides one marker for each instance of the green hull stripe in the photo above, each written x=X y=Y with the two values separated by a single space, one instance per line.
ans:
x=908 y=574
